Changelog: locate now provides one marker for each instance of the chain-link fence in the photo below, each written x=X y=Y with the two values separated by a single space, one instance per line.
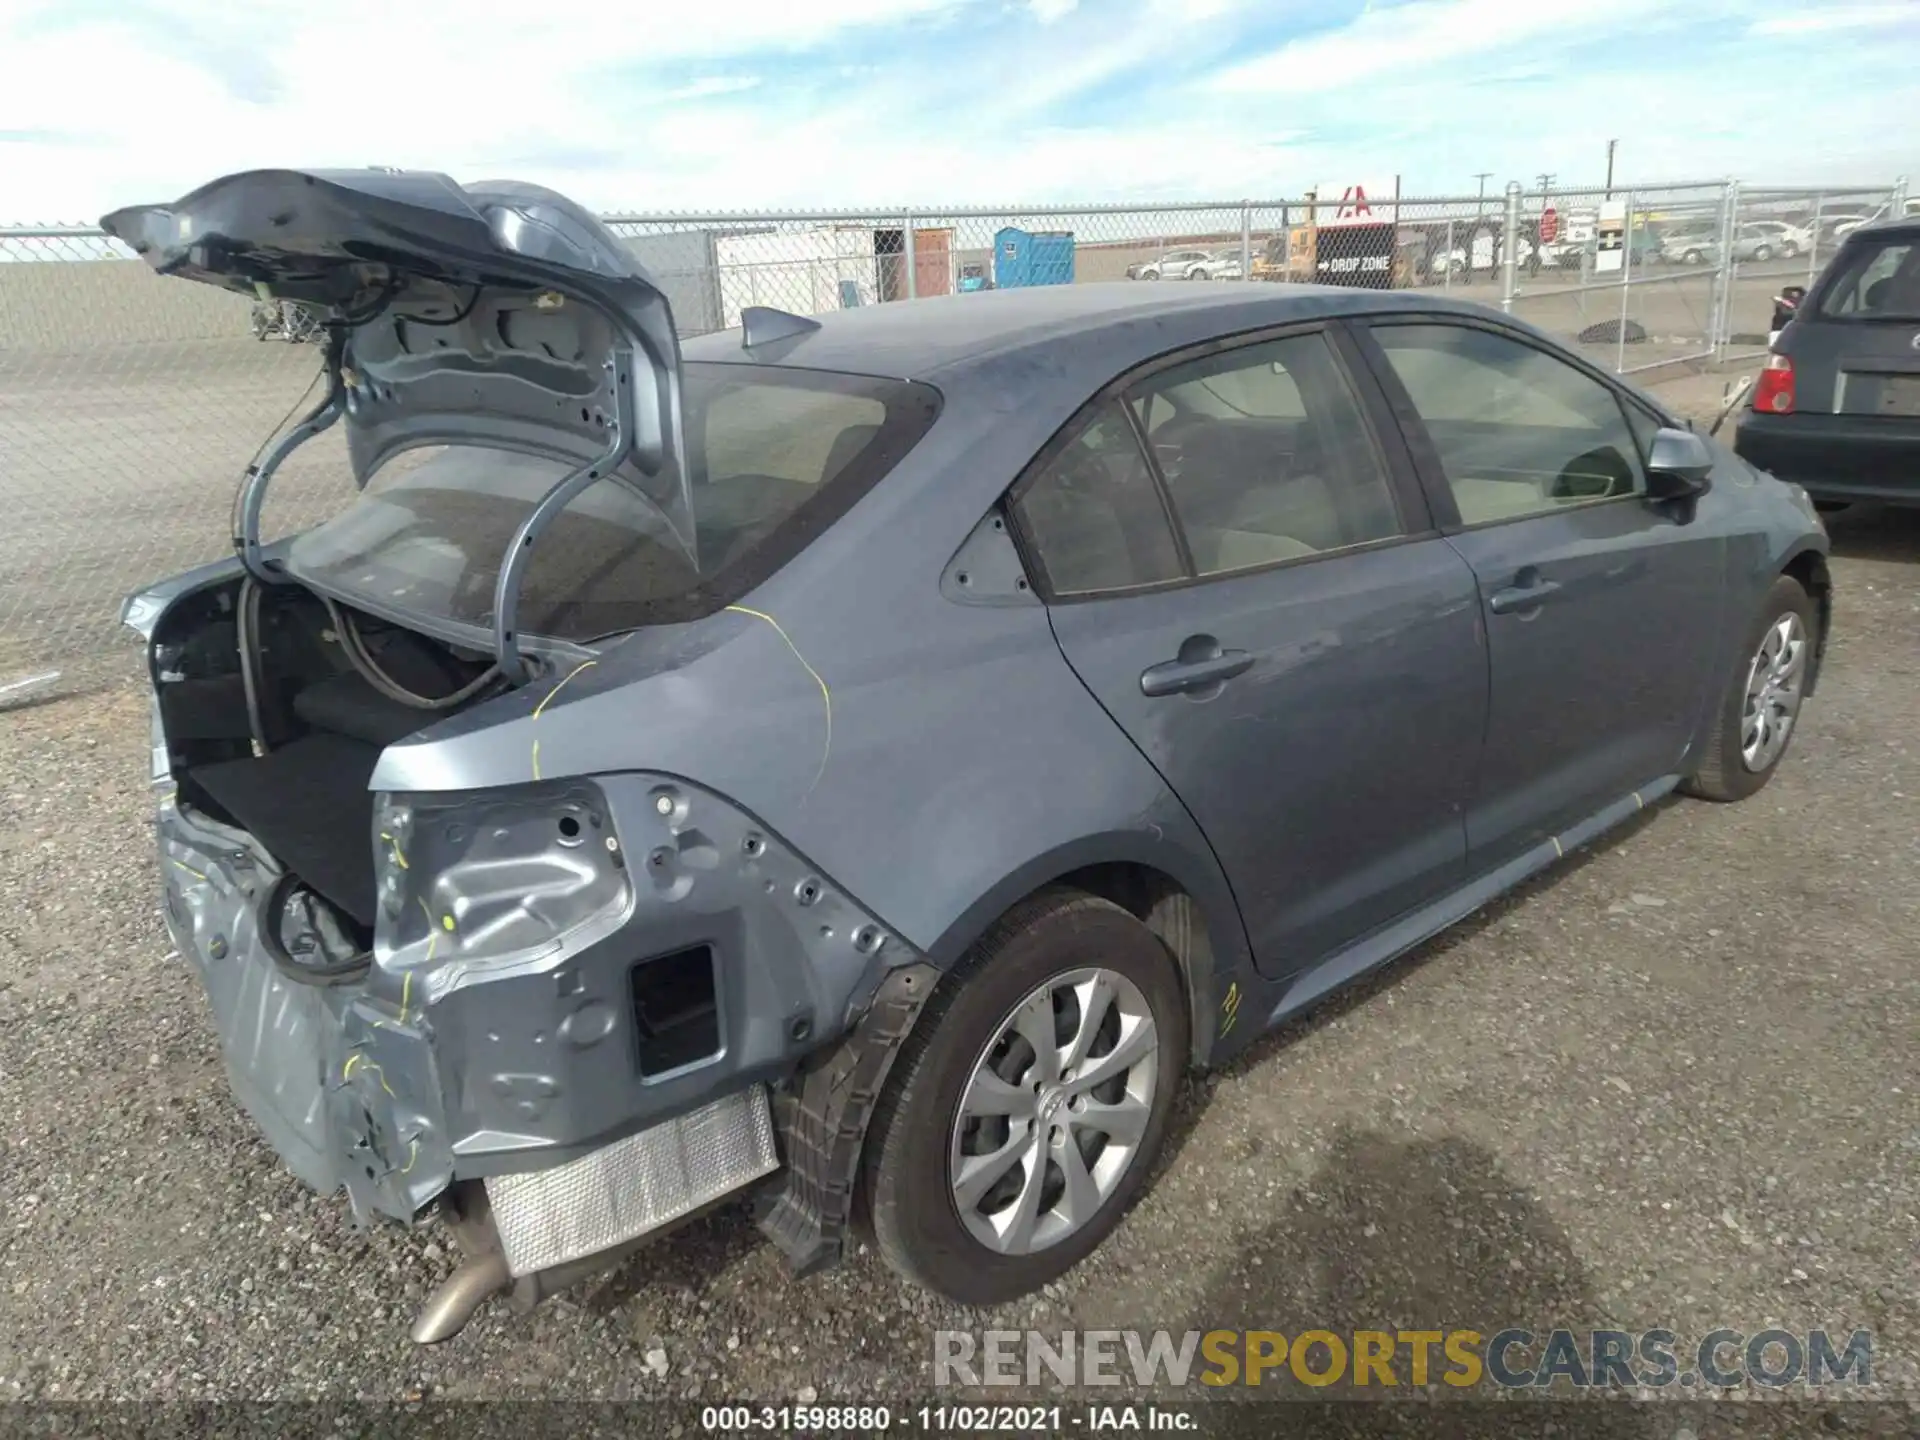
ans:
x=129 y=404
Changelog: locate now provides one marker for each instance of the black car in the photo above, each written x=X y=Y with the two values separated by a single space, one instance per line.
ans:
x=1838 y=405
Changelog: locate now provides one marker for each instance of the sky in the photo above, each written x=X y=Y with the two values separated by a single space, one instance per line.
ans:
x=749 y=104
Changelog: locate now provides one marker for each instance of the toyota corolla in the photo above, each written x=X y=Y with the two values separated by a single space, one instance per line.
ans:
x=861 y=763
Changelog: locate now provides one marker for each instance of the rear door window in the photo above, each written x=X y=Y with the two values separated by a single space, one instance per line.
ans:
x=1266 y=454
x=1875 y=280
x=1094 y=516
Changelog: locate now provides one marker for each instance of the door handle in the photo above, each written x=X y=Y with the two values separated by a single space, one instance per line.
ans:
x=1524 y=596
x=1173 y=677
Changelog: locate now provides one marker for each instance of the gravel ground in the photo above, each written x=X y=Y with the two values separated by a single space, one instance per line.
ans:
x=1673 y=1083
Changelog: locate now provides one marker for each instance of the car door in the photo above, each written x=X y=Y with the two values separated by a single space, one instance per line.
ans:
x=1601 y=610
x=1240 y=566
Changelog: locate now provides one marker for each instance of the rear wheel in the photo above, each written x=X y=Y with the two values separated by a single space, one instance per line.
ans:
x=1758 y=714
x=1025 y=1113
x=1762 y=254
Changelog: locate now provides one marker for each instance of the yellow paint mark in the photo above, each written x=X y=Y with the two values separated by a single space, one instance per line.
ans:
x=1230 y=1008
x=1638 y=803
x=406 y=987
x=190 y=870
x=413 y=1154
x=583 y=665
x=446 y=923
x=399 y=856
x=826 y=695
x=540 y=709
x=346 y=1071
x=1556 y=847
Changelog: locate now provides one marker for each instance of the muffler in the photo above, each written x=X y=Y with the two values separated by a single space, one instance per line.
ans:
x=537 y=1233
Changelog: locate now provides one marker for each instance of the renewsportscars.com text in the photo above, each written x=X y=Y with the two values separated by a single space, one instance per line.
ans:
x=1511 y=1358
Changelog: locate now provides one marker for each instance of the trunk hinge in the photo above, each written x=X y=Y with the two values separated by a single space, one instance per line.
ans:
x=513 y=568
x=253 y=488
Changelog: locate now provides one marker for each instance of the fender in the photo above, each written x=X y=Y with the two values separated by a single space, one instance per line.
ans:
x=1214 y=954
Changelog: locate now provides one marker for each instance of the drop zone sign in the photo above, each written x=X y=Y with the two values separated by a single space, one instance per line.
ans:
x=1356 y=235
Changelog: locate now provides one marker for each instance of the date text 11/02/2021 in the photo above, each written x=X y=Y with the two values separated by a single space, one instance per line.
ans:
x=942 y=1419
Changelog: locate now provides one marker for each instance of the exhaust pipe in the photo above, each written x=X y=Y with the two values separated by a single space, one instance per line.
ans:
x=460 y=1295
x=484 y=1272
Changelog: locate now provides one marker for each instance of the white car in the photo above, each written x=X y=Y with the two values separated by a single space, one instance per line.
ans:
x=1764 y=239
x=1185 y=265
x=1845 y=225
x=1484 y=255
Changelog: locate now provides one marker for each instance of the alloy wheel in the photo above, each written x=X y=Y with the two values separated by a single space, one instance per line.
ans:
x=1775 y=680
x=1054 y=1111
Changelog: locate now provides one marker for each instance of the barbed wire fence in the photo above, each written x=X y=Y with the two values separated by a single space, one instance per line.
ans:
x=129 y=405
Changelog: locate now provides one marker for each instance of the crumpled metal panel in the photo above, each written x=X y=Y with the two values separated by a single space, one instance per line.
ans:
x=548 y=1217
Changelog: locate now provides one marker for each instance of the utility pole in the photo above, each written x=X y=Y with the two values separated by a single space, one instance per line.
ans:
x=1546 y=183
x=1482 y=176
x=1610 y=146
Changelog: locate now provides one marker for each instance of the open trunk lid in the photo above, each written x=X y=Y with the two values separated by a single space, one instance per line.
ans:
x=498 y=314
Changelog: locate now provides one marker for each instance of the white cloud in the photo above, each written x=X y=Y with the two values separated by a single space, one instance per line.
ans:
x=711 y=85
x=847 y=102
x=1837 y=17
x=1431 y=36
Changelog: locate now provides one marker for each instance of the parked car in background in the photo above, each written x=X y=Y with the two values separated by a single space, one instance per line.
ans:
x=1176 y=265
x=1837 y=406
x=1833 y=228
x=1224 y=265
x=1846 y=225
x=1762 y=240
x=978 y=641
x=1690 y=244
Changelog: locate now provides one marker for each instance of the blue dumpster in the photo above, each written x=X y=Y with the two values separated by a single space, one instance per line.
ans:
x=1032 y=257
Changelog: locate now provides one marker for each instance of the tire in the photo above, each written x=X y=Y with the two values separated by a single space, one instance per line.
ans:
x=1725 y=773
x=1762 y=254
x=1692 y=257
x=1790 y=250
x=910 y=1200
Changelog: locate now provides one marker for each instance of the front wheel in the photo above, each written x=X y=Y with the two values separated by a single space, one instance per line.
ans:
x=1026 y=1110
x=1763 y=254
x=1692 y=257
x=1790 y=250
x=1758 y=713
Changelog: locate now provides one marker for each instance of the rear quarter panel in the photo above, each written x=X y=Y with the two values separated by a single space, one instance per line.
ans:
x=936 y=758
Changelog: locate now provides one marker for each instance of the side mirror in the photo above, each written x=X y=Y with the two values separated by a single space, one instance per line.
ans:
x=1679 y=466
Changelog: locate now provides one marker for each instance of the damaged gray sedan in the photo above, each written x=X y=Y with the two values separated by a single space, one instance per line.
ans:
x=862 y=763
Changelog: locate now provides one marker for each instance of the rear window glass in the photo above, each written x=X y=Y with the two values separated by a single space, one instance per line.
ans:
x=776 y=455
x=1875 y=280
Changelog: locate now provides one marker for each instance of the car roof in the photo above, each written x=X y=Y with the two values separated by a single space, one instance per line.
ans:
x=1131 y=322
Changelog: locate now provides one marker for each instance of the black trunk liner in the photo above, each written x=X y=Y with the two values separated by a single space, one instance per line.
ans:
x=308 y=803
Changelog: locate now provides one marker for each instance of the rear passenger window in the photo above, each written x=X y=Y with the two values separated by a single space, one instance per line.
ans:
x=1094 y=514
x=1266 y=455
x=1877 y=280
